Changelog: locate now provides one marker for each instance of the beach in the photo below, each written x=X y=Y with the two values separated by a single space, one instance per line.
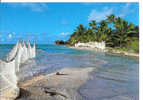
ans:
x=64 y=86
x=69 y=51
x=84 y=75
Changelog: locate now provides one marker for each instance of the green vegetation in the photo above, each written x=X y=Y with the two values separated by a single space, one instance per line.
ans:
x=60 y=42
x=115 y=31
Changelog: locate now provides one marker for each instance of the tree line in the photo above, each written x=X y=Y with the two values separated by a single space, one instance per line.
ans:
x=115 y=31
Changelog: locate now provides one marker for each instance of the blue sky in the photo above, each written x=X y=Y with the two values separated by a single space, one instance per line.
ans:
x=47 y=22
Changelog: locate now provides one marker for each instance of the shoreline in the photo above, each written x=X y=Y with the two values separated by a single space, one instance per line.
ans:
x=108 y=50
x=64 y=86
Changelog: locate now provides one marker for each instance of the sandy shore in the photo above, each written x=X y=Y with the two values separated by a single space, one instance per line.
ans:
x=55 y=87
x=9 y=94
x=107 y=51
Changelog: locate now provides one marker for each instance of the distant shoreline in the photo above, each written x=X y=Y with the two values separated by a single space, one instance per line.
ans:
x=108 y=50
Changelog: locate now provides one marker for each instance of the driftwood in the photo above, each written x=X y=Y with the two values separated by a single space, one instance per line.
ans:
x=58 y=73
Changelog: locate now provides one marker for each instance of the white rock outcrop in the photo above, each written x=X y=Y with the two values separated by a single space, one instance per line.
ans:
x=98 y=45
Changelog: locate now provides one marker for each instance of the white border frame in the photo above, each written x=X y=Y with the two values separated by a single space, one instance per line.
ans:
x=70 y=0
x=141 y=50
x=140 y=29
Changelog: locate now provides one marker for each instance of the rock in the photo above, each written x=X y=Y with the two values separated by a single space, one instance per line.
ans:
x=98 y=45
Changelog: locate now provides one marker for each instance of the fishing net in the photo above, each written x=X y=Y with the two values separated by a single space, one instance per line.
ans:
x=24 y=56
x=8 y=79
x=18 y=57
x=29 y=49
x=34 y=50
x=12 y=53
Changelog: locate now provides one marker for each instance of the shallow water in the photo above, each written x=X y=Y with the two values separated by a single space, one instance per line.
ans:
x=115 y=77
x=116 y=80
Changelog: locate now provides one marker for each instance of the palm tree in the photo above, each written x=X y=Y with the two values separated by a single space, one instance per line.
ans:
x=136 y=31
x=123 y=32
x=100 y=33
x=119 y=34
x=80 y=29
x=111 y=19
x=93 y=24
x=78 y=35
x=103 y=25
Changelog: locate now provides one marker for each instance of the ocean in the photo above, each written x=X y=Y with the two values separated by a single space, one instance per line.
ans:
x=115 y=77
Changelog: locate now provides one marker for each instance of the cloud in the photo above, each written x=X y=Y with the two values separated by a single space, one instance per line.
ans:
x=9 y=36
x=125 y=10
x=13 y=37
x=36 y=7
x=121 y=11
x=100 y=15
x=6 y=34
x=64 y=34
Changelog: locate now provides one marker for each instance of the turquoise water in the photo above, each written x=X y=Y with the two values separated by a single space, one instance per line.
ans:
x=115 y=77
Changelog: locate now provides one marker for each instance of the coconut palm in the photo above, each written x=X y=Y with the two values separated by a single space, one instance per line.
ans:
x=123 y=32
x=93 y=24
x=111 y=19
x=115 y=31
x=77 y=35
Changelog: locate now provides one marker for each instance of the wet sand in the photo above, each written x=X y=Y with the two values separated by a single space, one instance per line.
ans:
x=56 y=87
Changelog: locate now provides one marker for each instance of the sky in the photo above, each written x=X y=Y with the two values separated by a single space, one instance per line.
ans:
x=47 y=22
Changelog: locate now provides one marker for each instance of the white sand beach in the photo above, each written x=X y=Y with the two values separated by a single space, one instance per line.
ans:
x=55 y=87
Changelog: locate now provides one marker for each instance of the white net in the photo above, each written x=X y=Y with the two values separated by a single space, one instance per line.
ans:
x=34 y=50
x=12 y=53
x=29 y=50
x=8 y=79
x=24 y=56
x=7 y=70
x=18 y=57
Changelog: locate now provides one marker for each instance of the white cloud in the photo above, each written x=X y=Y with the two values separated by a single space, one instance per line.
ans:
x=37 y=7
x=64 y=34
x=122 y=11
x=9 y=36
x=100 y=15
x=125 y=10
